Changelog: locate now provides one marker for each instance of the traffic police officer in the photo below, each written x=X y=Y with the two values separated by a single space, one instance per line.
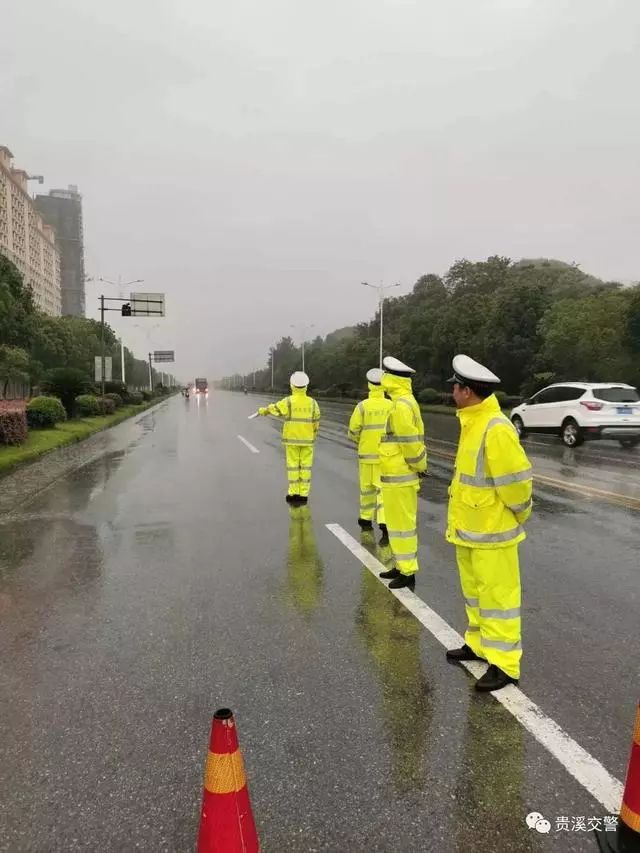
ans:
x=489 y=501
x=301 y=416
x=402 y=457
x=366 y=428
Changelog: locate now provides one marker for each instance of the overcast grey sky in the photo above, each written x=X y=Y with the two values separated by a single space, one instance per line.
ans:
x=257 y=159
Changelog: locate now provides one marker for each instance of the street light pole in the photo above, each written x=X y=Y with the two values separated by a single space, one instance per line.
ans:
x=381 y=289
x=102 y=343
x=304 y=329
x=119 y=284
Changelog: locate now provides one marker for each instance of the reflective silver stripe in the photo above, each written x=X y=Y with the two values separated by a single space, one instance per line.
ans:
x=411 y=406
x=288 y=408
x=505 y=536
x=413 y=460
x=473 y=627
x=471 y=602
x=305 y=467
x=399 y=478
x=297 y=468
x=512 y=613
x=368 y=505
x=492 y=482
x=360 y=408
x=403 y=557
x=374 y=426
x=301 y=420
x=520 y=507
x=371 y=456
x=402 y=439
x=305 y=441
x=402 y=534
x=500 y=644
x=368 y=491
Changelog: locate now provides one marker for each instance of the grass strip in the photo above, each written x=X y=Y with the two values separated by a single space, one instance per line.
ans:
x=42 y=441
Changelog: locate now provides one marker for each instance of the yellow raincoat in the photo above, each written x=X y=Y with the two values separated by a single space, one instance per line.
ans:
x=403 y=456
x=366 y=427
x=489 y=501
x=301 y=416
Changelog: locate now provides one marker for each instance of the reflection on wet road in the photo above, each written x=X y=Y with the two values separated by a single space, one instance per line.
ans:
x=160 y=574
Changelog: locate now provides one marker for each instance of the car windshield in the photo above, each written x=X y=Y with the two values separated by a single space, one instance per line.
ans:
x=616 y=395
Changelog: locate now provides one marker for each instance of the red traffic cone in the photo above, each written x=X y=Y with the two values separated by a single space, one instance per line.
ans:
x=226 y=821
x=627 y=836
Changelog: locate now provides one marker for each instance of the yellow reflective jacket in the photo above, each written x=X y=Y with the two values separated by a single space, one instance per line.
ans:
x=301 y=417
x=402 y=450
x=368 y=423
x=490 y=494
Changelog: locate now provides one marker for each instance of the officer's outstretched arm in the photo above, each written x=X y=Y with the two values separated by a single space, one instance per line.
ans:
x=278 y=410
x=508 y=466
x=355 y=423
x=409 y=438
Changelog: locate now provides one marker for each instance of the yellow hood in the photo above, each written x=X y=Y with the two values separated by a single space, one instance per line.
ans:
x=396 y=386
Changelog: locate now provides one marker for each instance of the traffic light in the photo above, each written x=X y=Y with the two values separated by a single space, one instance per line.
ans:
x=126 y=309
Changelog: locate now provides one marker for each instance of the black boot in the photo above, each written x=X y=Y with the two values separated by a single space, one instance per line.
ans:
x=464 y=653
x=290 y=499
x=391 y=574
x=384 y=539
x=494 y=679
x=402 y=581
x=365 y=524
x=300 y=499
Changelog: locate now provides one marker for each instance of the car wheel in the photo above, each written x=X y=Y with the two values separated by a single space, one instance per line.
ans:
x=629 y=442
x=571 y=433
x=519 y=426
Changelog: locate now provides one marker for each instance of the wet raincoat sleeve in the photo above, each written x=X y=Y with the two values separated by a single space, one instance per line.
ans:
x=410 y=440
x=316 y=419
x=355 y=423
x=278 y=410
x=508 y=466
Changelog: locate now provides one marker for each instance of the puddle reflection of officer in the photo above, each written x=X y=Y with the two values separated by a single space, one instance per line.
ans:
x=490 y=783
x=392 y=637
x=304 y=567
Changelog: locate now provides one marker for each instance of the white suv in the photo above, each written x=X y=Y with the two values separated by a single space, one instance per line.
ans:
x=577 y=411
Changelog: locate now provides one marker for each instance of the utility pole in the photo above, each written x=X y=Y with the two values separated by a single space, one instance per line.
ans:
x=273 y=361
x=381 y=289
x=150 y=374
x=102 y=342
x=304 y=329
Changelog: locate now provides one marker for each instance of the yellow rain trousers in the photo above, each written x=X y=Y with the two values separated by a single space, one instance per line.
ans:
x=489 y=501
x=301 y=415
x=366 y=428
x=402 y=456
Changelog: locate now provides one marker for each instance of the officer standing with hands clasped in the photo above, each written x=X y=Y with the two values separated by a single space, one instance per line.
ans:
x=403 y=457
x=301 y=415
x=366 y=428
x=489 y=501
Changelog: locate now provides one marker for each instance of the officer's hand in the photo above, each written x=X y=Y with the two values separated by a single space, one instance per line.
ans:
x=422 y=474
x=262 y=411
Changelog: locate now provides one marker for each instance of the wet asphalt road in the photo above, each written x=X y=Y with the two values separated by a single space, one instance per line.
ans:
x=163 y=576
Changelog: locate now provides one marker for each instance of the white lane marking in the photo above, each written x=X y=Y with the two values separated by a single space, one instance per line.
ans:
x=577 y=761
x=248 y=444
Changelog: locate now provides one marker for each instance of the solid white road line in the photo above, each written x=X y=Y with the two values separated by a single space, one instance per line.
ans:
x=577 y=761
x=248 y=444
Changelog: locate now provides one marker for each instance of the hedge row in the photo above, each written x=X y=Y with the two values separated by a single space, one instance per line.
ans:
x=13 y=427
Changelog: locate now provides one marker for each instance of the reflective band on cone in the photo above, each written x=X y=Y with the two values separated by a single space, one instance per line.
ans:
x=627 y=836
x=226 y=820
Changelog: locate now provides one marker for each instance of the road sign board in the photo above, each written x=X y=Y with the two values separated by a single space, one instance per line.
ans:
x=147 y=304
x=108 y=368
x=164 y=355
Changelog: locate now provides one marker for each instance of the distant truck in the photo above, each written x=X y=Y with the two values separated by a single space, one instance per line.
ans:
x=201 y=386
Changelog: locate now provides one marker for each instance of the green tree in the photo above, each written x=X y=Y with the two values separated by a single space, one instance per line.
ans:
x=14 y=366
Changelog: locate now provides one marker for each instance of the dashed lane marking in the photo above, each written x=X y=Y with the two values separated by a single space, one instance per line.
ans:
x=577 y=761
x=248 y=444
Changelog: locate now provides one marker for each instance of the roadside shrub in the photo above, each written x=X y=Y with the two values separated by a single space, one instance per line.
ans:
x=45 y=412
x=147 y=395
x=67 y=383
x=447 y=399
x=115 y=388
x=429 y=396
x=86 y=406
x=117 y=399
x=507 y=401
x=135 y=398
x=106 y=406
x=13 y=427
